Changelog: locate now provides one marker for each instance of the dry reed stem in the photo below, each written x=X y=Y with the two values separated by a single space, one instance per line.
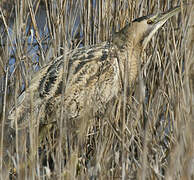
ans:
x=153 y=140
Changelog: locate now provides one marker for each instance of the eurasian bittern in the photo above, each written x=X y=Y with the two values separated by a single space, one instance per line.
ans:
x=95 y=73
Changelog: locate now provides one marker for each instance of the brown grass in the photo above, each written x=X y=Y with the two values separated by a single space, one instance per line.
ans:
x=152 y=140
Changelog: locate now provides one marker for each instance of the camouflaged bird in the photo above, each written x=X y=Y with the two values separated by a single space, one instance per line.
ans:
x=95 y=73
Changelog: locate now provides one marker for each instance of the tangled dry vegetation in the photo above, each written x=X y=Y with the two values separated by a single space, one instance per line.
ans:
x=154 y=137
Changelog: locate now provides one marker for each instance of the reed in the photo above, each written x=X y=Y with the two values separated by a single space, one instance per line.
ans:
x=153 y=140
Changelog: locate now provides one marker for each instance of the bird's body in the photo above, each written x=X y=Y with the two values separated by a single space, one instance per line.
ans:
x=94 y=75
x=92 y=80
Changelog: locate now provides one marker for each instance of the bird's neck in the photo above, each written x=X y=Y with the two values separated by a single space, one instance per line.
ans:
x=128 y=50
x=128 y=38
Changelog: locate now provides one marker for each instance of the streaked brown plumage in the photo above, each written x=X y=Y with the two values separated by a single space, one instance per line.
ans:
x=95 y=74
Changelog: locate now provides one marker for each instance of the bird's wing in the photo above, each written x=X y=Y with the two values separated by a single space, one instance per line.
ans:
x=48 y=81
x=78 y=60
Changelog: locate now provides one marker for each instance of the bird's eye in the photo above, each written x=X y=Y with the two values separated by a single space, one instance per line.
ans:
x=149 y=21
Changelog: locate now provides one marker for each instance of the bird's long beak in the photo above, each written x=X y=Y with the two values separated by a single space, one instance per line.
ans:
x=158 y=20
x=163 y=17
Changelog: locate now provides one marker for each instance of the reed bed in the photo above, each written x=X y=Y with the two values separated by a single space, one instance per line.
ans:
x=154 y=137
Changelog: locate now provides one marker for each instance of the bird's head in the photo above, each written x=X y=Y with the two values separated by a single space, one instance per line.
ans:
x=148 y=25
x=142 y=29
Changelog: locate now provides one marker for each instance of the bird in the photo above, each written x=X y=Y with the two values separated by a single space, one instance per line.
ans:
x=83 y=81
x=93 y=76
